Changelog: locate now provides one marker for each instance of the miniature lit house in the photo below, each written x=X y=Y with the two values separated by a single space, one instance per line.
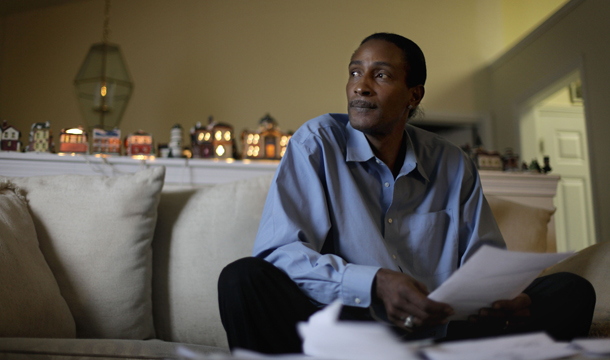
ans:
x=9 y=138
x=73 y=140
x=106 y=141
x=213 y=141
x=268 y=142
x=139 y=143
x=201 y=142
x=40 y=138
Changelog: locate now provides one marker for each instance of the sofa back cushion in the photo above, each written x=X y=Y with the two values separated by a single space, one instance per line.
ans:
x=198 y=233
x=30 y=302
x=95 y=233
x=523 y=227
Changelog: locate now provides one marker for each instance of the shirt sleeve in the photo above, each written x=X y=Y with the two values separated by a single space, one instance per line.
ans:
x=295 y=225
x=478 y=225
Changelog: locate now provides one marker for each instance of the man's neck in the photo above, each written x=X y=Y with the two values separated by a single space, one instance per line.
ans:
x=391 y=150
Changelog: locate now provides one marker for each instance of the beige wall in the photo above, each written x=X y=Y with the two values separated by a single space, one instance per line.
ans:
x=520 y=17
x=236 y=60
x=577 y=41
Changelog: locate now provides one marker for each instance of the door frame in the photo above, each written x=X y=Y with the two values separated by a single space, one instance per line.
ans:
x=526 y=102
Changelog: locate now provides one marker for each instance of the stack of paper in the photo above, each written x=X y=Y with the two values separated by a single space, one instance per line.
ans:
x=491 y=274
x=326 y=337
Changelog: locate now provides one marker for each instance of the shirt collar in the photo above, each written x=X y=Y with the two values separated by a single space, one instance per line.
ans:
x=359 y=149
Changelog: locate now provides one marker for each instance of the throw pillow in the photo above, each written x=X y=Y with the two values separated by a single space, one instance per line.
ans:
x=524 y=227
x=199 y=232
x=30 y=302
x=95 y=233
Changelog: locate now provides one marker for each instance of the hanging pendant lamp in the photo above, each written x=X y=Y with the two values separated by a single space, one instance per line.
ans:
x=103 y=86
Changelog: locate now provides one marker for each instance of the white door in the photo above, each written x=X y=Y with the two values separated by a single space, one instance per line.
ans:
x=563 y=137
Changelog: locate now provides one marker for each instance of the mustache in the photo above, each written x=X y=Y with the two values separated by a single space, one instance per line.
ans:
x=362 y=104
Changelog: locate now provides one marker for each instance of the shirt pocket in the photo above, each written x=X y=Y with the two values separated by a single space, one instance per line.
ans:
x=431 y=243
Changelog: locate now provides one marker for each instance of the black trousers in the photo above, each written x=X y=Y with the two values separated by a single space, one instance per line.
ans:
x=260 y=307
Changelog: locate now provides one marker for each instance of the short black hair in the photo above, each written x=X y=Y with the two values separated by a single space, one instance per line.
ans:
x=415 y=62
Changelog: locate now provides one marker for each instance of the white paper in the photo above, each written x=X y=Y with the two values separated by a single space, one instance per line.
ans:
x=253 y=355
x=593 y=346
x=326 y=337
x=537 y=346
x=492 y=274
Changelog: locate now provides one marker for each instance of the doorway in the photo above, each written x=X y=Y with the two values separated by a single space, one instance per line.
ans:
x=553 y=125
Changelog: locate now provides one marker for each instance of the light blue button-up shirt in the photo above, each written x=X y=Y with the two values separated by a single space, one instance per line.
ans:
x=335 y=214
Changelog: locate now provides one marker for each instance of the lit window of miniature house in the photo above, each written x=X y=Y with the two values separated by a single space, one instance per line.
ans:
x=139 y=143
x=106 y=141
x=73 y=140
x=40 y=138
x=212 y=141
x=267 y=142
x=9 y=138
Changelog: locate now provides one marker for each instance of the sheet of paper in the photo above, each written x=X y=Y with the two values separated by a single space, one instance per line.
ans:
x=327 y=338
x=492 y=274
x=593 y=346
x=538 y=346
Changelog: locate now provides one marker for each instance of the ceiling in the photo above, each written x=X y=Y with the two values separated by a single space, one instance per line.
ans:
x=15 y=6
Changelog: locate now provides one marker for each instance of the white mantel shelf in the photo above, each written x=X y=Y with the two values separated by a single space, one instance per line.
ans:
x=502 y=183
x=210 y=171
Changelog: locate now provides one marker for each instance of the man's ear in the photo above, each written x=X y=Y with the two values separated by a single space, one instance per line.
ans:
x=417 y=94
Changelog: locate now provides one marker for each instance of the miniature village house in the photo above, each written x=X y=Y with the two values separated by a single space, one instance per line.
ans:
x=139 y=143
x=201 y=142
x=267 y=142
x=73 y=140
x=106 y=141
x=213 y=141
x=9 y=138
x=41 y=139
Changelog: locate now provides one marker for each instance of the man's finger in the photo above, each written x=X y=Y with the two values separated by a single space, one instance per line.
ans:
x=522 y=301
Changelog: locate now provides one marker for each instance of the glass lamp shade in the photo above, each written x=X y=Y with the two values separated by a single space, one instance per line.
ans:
x=103 y=86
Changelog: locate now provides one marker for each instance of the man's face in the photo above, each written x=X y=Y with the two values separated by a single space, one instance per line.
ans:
x=377 y=93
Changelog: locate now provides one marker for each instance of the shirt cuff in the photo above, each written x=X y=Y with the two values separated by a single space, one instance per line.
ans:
x=357 y=284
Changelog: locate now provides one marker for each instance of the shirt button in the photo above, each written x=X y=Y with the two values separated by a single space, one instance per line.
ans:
x=378 y=161
x=394 y=256
x=387 y=184
x=390 y=220
x=357 y=301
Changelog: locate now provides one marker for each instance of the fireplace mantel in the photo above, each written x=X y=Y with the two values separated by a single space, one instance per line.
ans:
x=533 y=189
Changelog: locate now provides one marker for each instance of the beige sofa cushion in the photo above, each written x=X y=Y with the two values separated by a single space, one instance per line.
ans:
x=95 y=233
x=199 y=232
x=30 y=302
x=523 y=227
x=592 y=263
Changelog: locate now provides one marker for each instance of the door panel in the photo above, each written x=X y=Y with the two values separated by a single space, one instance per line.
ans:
x=563 y=138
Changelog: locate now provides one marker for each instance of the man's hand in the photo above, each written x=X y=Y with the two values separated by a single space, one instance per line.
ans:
x=404 y=296
x=513 y=312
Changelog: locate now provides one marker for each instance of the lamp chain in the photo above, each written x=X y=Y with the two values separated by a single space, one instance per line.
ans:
x=106 y=22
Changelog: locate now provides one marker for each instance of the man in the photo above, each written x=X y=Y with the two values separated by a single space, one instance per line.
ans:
x=376 y=212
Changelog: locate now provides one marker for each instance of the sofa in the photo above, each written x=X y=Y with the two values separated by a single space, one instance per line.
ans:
x=126 y=267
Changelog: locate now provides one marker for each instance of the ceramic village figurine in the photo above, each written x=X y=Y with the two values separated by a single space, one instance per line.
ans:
x=74 y=140
x=9 y=138
x=106 y=141
x=266 y=142
x=215 y=140
x=41 y=138
x=139 y=143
